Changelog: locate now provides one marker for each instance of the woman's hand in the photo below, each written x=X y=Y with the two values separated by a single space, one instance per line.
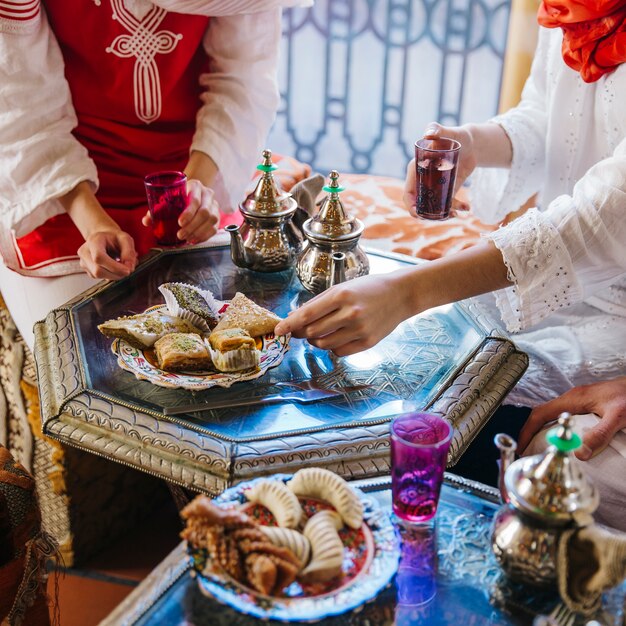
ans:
x=352 y=316
x=200 y=219
x=466 y=165
x=606 y=399
x=482 y=145
x=108 y=253
x=357 y=314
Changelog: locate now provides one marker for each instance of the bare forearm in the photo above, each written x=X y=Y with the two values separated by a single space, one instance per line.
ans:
x=474 y=271
x=201 y=167
x=108 y=251
x=492 y=146
x=85 y=211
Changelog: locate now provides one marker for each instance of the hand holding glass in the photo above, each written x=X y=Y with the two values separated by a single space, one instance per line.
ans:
x=419 y=451
x=167 y=199
x=435 y=164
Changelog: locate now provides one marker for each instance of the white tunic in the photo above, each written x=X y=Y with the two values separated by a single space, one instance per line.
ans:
x=566 y=258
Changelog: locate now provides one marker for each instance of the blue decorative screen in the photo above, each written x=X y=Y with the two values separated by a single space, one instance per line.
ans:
x=361 y=79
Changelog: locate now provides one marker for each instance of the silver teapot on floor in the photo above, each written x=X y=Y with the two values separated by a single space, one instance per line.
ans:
x=543 y=495
x=331 y=253
x=268 y=240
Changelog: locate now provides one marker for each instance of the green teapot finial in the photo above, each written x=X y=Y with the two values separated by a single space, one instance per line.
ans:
x=267 y=165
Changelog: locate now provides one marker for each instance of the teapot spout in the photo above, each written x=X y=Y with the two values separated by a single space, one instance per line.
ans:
x=507 y=447
x=237 y=250
x=337 y=269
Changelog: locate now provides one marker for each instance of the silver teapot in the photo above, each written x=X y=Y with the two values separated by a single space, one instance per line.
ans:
x=268 y=240
x=331 y=253
x=544 y=495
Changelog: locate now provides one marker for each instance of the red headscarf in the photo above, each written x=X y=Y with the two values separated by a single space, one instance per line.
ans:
x=594 y=33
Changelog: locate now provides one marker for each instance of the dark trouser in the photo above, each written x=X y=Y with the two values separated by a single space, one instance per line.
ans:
x=480 y=460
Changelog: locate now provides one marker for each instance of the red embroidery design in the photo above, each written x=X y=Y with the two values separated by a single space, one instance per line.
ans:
x=19 y=16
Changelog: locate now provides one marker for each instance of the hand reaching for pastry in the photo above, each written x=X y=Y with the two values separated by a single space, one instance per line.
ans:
x=350 y=317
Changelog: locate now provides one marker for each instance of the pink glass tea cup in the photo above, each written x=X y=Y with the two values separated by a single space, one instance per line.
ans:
x=419 y=452
x=167 y=199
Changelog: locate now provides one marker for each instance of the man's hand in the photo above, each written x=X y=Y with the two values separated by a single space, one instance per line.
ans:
x=606 y=399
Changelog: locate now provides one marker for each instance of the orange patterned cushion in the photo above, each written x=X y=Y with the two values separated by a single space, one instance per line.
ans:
x=290 y=170
x=377 y=200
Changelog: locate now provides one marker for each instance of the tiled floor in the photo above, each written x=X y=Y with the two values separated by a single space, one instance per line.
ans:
x=89 y=593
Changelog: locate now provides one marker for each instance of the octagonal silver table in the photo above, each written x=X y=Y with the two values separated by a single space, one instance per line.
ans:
x=450 y=360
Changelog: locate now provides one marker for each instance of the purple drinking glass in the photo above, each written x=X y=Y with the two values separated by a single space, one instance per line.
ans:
x=167 y=199
x=417 y=572
x=435 y=167
x=419 y=451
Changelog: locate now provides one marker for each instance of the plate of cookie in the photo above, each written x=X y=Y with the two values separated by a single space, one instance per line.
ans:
x=195 y=342
x=299 y=547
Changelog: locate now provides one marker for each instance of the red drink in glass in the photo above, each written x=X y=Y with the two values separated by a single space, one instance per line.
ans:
x=167 y=199
x=435 y=165
x=419 y=451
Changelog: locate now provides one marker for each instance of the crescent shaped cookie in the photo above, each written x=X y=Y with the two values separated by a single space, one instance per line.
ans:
x=291 y=539
x=328 y=486
x=326 y=547
x=282 y=502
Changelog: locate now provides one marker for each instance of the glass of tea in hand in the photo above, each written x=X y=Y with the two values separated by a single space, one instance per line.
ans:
x=167 y=199
x=435 y=164
x=419 y=451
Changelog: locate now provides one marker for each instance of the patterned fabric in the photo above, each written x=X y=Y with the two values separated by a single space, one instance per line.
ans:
x=19 y=16
x=377 y=200
x=24 y=548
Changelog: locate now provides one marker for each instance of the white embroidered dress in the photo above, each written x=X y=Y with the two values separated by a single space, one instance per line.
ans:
x=567 y=257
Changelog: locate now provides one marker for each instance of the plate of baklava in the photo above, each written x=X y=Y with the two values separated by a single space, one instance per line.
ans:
x=194 y=341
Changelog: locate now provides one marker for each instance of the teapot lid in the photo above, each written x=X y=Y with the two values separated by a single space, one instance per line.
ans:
x=552 y=484
x=332 y=222
x=268 y=198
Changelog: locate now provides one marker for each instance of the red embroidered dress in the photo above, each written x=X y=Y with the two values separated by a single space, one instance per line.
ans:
x=135 y=90
x=142 y=95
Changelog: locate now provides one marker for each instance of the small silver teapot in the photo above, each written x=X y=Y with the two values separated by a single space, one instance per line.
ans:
x=544 y=495
x=268 y=240
x=331 y=253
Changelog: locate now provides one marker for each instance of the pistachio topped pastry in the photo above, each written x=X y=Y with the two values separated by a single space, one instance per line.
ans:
x=142 y=331
x=233 y=350
x=231 y=339
x=192 y=303
x=182 y=351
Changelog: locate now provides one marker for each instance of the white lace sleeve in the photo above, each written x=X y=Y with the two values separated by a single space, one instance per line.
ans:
x=40 y=159
x=240 y=96
x=569 y=252
x=496 y=192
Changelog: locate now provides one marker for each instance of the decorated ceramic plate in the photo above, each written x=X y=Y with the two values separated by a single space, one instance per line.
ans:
x=371 y=556
x=143 y=364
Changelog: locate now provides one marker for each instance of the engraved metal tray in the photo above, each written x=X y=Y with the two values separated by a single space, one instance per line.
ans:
x=449 y=360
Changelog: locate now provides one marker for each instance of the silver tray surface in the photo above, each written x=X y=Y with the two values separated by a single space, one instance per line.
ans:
x=449 y=360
